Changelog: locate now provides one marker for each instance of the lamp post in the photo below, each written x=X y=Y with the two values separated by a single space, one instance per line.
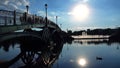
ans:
x=46 y=14
x=27 y=7
x=56 y=21
x=60 y=25
x=14 y=17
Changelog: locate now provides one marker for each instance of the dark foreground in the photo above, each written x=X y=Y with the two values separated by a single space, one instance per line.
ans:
x=73 y=54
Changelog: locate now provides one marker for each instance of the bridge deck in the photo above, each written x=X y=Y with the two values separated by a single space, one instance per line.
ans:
x=11 y=28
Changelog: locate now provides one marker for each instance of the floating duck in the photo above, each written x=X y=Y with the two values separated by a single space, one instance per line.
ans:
x=99 y=58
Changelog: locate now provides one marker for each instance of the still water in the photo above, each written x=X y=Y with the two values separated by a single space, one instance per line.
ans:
x=95 y=53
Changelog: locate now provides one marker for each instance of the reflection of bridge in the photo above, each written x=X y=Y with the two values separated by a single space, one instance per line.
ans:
x=11 y=21
x=91 y=37
x=33 y=56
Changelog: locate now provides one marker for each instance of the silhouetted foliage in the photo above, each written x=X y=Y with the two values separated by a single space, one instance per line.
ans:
x=107 y=31
x=69 y=32
x=115 y=36
x=78 y=32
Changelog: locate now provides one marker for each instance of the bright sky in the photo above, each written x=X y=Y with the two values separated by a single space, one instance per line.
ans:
x=72 y=14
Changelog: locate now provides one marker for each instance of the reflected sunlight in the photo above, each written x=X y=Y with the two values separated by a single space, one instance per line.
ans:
x=82 y=62
x=80 y=12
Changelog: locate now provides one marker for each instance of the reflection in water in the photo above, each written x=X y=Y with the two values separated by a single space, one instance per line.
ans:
x=34 y=56
x=6 y=45
x=88 y=41
x=26 y=54
x=82 y=62
x=117 y=48
x=42 y=57
x=93 y=41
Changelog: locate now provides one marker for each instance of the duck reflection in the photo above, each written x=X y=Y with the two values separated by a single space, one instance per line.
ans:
x=36 y=56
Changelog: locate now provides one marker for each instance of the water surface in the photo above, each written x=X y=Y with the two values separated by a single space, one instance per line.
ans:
x=76 y=54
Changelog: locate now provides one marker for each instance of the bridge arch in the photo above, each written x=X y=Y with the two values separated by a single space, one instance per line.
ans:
x=20 y=34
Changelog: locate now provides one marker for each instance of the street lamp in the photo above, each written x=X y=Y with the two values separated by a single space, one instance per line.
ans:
x=60 y=25
x=27 y=7
x=46 y=14
x=56 y=21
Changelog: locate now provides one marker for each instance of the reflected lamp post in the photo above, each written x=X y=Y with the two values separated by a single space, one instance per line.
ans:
x=46 y=14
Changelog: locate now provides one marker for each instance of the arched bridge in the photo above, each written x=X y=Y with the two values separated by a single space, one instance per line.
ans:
x=11 y=21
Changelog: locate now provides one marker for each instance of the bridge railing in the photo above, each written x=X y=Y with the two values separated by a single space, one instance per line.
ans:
x=12 y=21
x=16 y=18
x=9 y=17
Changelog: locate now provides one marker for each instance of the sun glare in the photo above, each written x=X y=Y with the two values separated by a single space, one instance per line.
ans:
x=80 y=12
x=85 y=0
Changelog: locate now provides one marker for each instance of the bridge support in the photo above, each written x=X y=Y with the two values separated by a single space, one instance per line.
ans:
x=46 y=34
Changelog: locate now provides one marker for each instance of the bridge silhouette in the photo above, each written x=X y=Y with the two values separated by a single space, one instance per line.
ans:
x=11 y=21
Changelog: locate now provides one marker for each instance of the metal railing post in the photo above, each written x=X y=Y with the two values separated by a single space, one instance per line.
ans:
x=14 y=17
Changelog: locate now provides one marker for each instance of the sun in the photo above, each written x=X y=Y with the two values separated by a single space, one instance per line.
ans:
x=80 y=12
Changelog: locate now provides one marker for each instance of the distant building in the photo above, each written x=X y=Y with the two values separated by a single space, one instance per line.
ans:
x=84 y=33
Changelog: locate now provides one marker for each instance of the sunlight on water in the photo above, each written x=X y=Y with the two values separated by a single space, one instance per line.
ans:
x=82 y=62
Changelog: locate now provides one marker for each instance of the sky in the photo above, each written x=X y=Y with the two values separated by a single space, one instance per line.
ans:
x=72 y=14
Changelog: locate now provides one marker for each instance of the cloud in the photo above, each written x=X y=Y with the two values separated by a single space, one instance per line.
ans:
x=6 y=2
x=83 y=1
x=41 y=13
x=24 y=2
x=13 y=4
x=51 y=15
